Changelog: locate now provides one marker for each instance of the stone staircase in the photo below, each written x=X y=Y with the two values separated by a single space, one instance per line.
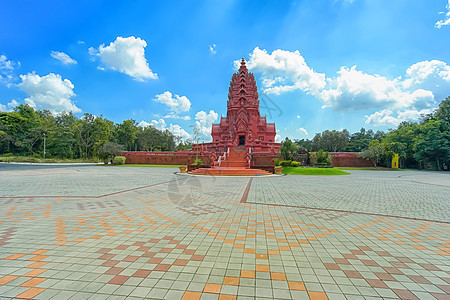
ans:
x=232 y=164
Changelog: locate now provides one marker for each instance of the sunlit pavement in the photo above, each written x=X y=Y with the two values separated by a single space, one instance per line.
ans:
x=80 y=232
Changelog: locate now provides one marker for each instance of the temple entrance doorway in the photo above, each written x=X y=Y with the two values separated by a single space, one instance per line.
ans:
x=242 y=140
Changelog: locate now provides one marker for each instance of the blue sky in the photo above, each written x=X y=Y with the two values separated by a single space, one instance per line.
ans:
x=319 y=64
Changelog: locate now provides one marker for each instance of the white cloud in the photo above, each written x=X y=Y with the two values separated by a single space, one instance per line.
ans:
x=174 y=116
x=205 y=121
x=63 y=57
x=278 y=138
x=5 y=64
x=405 y=97
x=301 y=129
x=160 y=124
x=356 y=90
x=445 y=21
x=386 y=117
x=212 y=49
x=175 y=102
x=9 y=106
x=431 y=75
x=287 y=68
x=178 y=131
x=13 y=104
x=49 y=92
x=6 y=69
x=143 y=124
x=298 y=116
x=126 y=55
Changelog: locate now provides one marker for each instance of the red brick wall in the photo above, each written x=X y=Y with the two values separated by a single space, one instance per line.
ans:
x=162 y=158
x=349 y=159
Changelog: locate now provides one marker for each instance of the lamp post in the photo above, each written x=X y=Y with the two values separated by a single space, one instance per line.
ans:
x=44 y=144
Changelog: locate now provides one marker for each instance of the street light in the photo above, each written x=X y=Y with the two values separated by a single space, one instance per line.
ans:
x=44 y=144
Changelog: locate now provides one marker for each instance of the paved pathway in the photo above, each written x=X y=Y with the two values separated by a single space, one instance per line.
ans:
x=80 y=232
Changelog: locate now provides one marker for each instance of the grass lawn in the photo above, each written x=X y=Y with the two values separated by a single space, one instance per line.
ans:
x=313 y=171
x=31 y=159
x=369 y=168
x=149 y=166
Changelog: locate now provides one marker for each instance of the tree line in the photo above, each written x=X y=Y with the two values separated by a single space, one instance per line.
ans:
x=423 y=144
x=419 y=144
x=22 y=132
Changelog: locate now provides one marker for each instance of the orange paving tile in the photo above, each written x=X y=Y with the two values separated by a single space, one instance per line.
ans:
x=317 y=296
x=262 y=256
x=296 y=285
x=247 y=274
x=38 y=257
x=15 y=256
x=227 y=297
x=33 y=282
x=231 y=280
x=212 y=288
x=277 y=276
x=7 y=278
x=284 y=248
x=262 y=268
x=37 y=264
x=39 y=252
x=30 y=294
x=191 y=295
x=34 y=273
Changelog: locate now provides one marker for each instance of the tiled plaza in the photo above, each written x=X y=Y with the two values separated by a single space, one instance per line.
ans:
x=96 y=232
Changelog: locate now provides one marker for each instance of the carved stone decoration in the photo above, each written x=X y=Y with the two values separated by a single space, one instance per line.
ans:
x=302 y=156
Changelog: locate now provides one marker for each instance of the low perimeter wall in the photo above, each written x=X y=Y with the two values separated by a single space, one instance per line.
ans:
x=349 y=159
x=162 y=158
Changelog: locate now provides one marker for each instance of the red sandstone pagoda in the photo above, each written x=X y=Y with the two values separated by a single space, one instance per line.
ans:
x=243 y=143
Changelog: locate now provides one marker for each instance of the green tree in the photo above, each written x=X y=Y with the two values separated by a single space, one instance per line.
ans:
x=186 y=145
x=305 y=143
x=401 y=141
x=288 y=149
x=83 y=130
x=443 y=112
x=108 y=150
x=374 y=152
x=432 y=145
x=102 y=132
x=149 y=138
x=360 y=140
x=126 y=133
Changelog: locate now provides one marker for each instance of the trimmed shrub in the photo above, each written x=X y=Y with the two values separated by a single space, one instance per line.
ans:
x=277 y=161
x=285 y=163
x=295 y=164
x=323 y=158
x=119 y=160
x=8 y=155
x=312 y=158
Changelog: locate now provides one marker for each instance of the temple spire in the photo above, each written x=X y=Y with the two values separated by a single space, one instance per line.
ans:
x=243 y=66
